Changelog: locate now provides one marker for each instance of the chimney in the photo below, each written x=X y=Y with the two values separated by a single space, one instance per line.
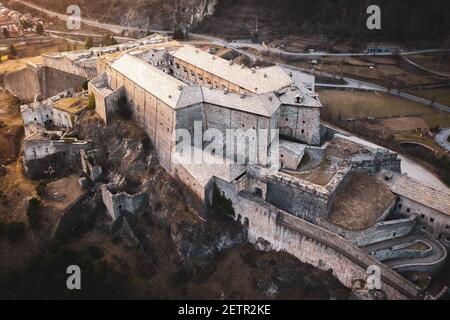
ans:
x=242 y=95
x=225 y=91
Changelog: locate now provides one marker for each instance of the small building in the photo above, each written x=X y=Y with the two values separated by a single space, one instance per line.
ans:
x=429 y=204
x=291 y=154
x=382 y=48
x=119 y=202
x=61 y=110
x=67 y=111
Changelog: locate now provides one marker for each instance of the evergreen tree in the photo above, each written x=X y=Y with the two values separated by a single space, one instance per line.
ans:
x=89 y=43
x=12 y=50
x=39 y=28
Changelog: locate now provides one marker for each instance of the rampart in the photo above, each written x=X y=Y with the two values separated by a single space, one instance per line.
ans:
x=118 y=202
x=39 y=81
x=316 y=246
x=381 y=231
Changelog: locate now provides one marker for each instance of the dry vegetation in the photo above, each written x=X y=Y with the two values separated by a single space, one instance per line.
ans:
x=437 y=95
x=348 y=104
x=355 y=208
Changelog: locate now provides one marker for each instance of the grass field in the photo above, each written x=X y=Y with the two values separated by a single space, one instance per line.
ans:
x=348 y=104
x=14 y=65
x=439 y=95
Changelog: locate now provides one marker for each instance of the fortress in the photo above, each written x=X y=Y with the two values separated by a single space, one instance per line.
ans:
x=333 y=201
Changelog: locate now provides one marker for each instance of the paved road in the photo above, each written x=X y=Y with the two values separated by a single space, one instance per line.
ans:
x=442 y=139
x=446 y=75
x=94 y=35
x=435 y=258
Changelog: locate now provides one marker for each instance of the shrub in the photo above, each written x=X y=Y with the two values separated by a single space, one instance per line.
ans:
x=178 y=34
x=12 y=50
x=89 y=43
x=91 y=102
x=39 y=28
x=221 y=202
x=84 y=86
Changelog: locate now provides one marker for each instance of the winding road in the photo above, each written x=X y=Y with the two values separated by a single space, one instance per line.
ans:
x=400 y=259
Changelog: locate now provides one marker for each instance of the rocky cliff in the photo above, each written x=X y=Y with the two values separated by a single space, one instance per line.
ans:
x=343 y=19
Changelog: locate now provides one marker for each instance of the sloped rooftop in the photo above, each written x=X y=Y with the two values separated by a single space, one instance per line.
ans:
x=161 y=85
x=264 y=104
x=260 y=80
x=212 y=166
x=411 y=189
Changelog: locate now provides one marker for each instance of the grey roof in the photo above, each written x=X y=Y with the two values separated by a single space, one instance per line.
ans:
x=428 y=196
x=260 y=80
x=293 y=147
x=264 y=104
x=300 y=78
x=213 y=166
x=166 y=88
x=288 y=97
x=177 y=94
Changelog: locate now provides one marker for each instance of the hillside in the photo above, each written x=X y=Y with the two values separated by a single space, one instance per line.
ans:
x=402 y=21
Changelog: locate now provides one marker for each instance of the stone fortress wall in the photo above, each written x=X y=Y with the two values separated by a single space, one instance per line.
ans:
x=316 y=246
x=117 y=202
x=39 y=81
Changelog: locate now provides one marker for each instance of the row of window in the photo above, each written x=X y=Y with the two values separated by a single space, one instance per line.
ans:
x=200 y=78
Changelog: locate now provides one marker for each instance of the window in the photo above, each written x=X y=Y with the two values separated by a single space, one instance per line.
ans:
x=399 y=205
x=177 y=65
x=303 y=130
x=287 y=119
x=447 y=227
x=431 y=220
x=408 y=210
